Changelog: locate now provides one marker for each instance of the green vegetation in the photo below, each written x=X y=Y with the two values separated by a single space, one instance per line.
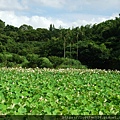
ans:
x=59 y=91
x=95 y=46
x=64 y=85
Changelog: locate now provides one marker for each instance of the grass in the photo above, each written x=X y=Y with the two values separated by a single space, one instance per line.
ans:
x=59 y=91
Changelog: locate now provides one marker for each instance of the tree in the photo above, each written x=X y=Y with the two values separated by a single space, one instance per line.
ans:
x=55 y=47
x=25 y=27
x=52 y=27
x=2 y=26
x=43 y=34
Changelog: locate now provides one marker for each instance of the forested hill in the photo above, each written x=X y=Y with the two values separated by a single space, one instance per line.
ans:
x=96 y=46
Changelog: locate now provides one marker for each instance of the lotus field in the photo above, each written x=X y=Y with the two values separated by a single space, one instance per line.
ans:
x=59 y=91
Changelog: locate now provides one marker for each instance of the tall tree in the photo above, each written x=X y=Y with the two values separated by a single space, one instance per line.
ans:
x=2 y=26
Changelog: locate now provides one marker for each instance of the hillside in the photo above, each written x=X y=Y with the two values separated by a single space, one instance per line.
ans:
x=93 y=46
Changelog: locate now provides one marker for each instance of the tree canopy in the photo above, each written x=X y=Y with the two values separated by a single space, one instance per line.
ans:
x=96 y=46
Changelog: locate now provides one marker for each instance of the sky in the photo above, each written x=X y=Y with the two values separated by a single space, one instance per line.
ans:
x=64 y=13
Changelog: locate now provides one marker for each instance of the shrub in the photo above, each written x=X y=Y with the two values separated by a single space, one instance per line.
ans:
x=25 y=64
x=45 y=62
x=32 y=58
x=2 y=58
x=71 y=63
x=9 y=58
x=10 y=64
x=17 y=58
x=56 y=61
x=32 y=61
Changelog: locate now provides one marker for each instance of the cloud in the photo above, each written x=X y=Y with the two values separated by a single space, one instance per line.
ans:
x=12 y=5
x=50 y=3
x=43 y=22
x=9 y=17
x=78 y=5
x=65 y=13
x=104 y=3
x=91 y=19
x=67 y=5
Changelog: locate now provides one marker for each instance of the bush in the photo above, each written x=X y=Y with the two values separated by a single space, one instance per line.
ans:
x=9 y=58
x=25 y=64
x=17 y=58
x=33 y=58
x=2 y=65
x=45 y=62
x=56 y=61
x=71 y=63
x=32 y=61
x=2 y=58
x=11 y=64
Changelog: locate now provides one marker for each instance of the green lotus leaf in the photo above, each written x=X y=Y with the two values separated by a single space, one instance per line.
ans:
x=22 y=110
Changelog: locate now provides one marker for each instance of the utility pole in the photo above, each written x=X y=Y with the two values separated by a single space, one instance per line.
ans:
x=64 y=46
x=77 y=31
x=70 y=55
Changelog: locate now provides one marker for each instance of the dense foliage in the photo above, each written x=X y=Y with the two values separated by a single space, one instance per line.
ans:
x=59 y=92
x=96 y=46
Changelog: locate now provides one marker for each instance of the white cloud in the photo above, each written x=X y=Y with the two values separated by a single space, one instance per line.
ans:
x=49 y=3
x=9 y=17
x=92 y=19
x=70 y=5
x=43 y=22
x=94 y=4
x=12 y=5
x=71 y=13
x=103 y=4
x=78 y=5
